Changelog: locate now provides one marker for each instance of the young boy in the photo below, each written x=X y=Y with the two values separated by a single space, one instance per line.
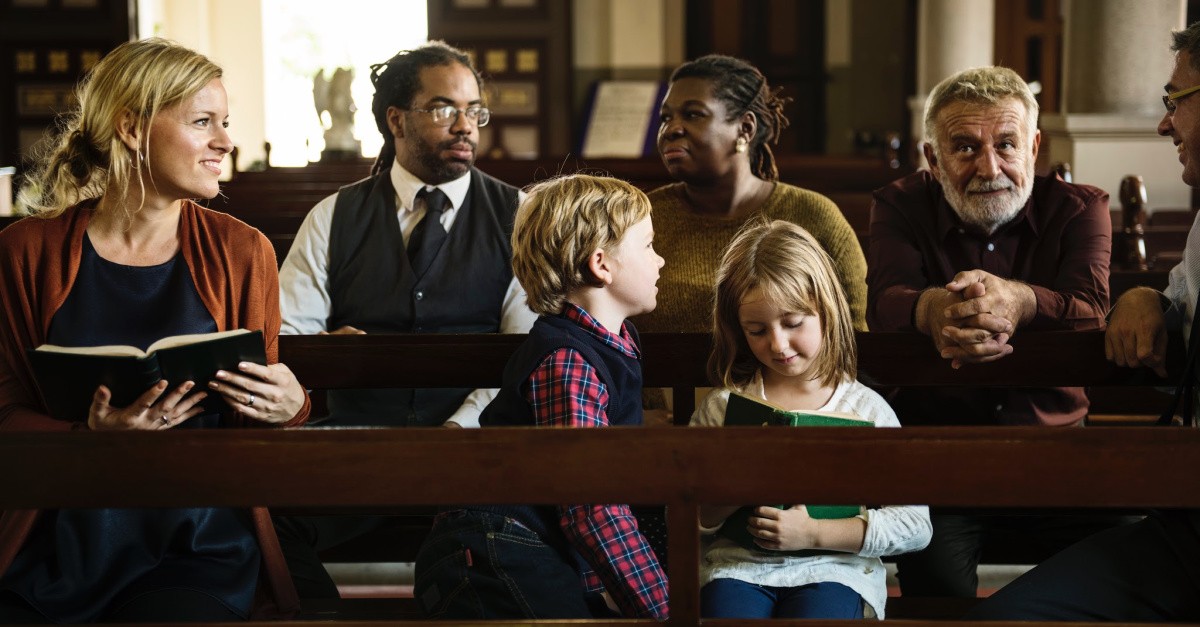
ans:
x=583 y=249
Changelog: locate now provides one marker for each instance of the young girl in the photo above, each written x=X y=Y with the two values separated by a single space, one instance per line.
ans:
x=783 y=332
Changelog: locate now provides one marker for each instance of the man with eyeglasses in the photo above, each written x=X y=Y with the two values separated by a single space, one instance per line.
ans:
x=420 y=246
x=969 y=253
x=369 y=259
x=1148 y=571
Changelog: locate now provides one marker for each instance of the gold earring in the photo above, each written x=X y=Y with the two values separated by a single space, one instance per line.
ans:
x=742 y=144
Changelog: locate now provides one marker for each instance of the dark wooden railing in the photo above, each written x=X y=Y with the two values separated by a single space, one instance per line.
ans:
x=680 y=468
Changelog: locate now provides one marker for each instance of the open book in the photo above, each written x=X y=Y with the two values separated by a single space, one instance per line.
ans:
x=68 y=376
x=745 y=411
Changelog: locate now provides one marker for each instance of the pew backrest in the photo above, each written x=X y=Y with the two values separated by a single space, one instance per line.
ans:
x=679 y=468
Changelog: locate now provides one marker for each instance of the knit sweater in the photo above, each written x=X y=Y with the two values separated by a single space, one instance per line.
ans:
x=692 y=245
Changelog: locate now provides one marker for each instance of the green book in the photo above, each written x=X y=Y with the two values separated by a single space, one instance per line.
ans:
x=67 y=377
x=745 y=411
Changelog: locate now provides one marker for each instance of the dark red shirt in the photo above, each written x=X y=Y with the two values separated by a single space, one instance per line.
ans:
x=1059 y=244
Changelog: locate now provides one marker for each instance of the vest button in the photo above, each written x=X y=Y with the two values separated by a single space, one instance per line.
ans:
x=419 y=295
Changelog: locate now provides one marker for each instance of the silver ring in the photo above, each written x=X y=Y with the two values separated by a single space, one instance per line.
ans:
x=250 y=403
x=165 y=419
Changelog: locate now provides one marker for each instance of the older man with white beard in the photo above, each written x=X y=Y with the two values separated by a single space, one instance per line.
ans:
x=968 y=253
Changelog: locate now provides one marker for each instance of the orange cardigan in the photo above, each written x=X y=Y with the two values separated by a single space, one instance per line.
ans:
x=234 y=269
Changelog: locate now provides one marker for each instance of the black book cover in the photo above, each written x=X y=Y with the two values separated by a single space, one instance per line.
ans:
x=68 y=377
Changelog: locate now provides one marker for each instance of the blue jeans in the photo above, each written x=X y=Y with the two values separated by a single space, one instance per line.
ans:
x=479 y=565
x=733 y=598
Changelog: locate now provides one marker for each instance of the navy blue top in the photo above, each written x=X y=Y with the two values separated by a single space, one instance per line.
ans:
x=620 y=374
x=81 y=565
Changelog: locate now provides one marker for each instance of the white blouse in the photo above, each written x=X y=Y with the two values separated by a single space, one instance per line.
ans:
x=891 y=529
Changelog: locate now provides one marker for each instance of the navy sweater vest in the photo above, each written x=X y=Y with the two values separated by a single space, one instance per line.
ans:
x=620 y=374
x=373 y=287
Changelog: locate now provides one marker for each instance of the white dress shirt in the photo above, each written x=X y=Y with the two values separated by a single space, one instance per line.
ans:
x=304 y=298
x=1184 y=285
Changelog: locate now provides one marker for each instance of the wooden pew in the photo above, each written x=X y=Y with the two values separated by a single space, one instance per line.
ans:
x=1140 y=243
x=338 y=172
x=681 y=468
x=828 y=172
x=276 y=200
x=677 y=360
x=1172 y=217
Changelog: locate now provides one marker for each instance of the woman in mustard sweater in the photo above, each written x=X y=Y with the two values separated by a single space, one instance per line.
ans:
x=718 y=118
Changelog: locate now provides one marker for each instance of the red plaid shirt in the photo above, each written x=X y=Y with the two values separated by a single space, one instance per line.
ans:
x=564 y=391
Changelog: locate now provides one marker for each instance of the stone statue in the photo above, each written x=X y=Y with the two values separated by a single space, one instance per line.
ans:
x=333 y=95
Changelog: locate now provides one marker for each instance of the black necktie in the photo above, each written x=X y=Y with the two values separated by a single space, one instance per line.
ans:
x=427 y=237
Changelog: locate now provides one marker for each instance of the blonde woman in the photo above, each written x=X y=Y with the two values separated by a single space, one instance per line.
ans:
x=117 y=253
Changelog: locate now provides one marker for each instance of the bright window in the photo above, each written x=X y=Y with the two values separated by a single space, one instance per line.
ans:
x=302 y=37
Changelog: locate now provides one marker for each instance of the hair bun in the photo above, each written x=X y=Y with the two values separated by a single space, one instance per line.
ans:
x=82 y=156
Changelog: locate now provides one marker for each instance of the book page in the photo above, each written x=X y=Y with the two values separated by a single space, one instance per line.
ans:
x=133 y=351
x=106 y=351
x=195 y=338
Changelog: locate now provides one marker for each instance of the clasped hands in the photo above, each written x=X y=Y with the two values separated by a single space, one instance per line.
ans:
x=973 y=317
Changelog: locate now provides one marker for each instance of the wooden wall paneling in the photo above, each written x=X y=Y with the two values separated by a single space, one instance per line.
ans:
x=1028 y=39
x=523 y=50
x=46 y=46
x=785 y=39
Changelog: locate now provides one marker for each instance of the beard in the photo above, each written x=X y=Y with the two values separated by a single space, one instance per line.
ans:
x=441 y=170
x=988 y=213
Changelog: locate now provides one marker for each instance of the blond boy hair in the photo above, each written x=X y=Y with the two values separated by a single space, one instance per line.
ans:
x=560 y=224
x=789 y=267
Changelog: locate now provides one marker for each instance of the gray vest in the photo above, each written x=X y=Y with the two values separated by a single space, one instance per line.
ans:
x=372 y=287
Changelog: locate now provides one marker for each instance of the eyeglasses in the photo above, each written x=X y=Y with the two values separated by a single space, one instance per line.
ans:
x=447 y=114
x=1169 y=99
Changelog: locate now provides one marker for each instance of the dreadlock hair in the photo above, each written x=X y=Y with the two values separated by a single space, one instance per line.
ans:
x=398 y=79
x=741 y=87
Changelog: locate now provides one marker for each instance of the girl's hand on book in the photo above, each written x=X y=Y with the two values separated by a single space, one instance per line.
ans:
x=152 y=411
x=789 y=529
x=793 y=529
x=266 y=393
